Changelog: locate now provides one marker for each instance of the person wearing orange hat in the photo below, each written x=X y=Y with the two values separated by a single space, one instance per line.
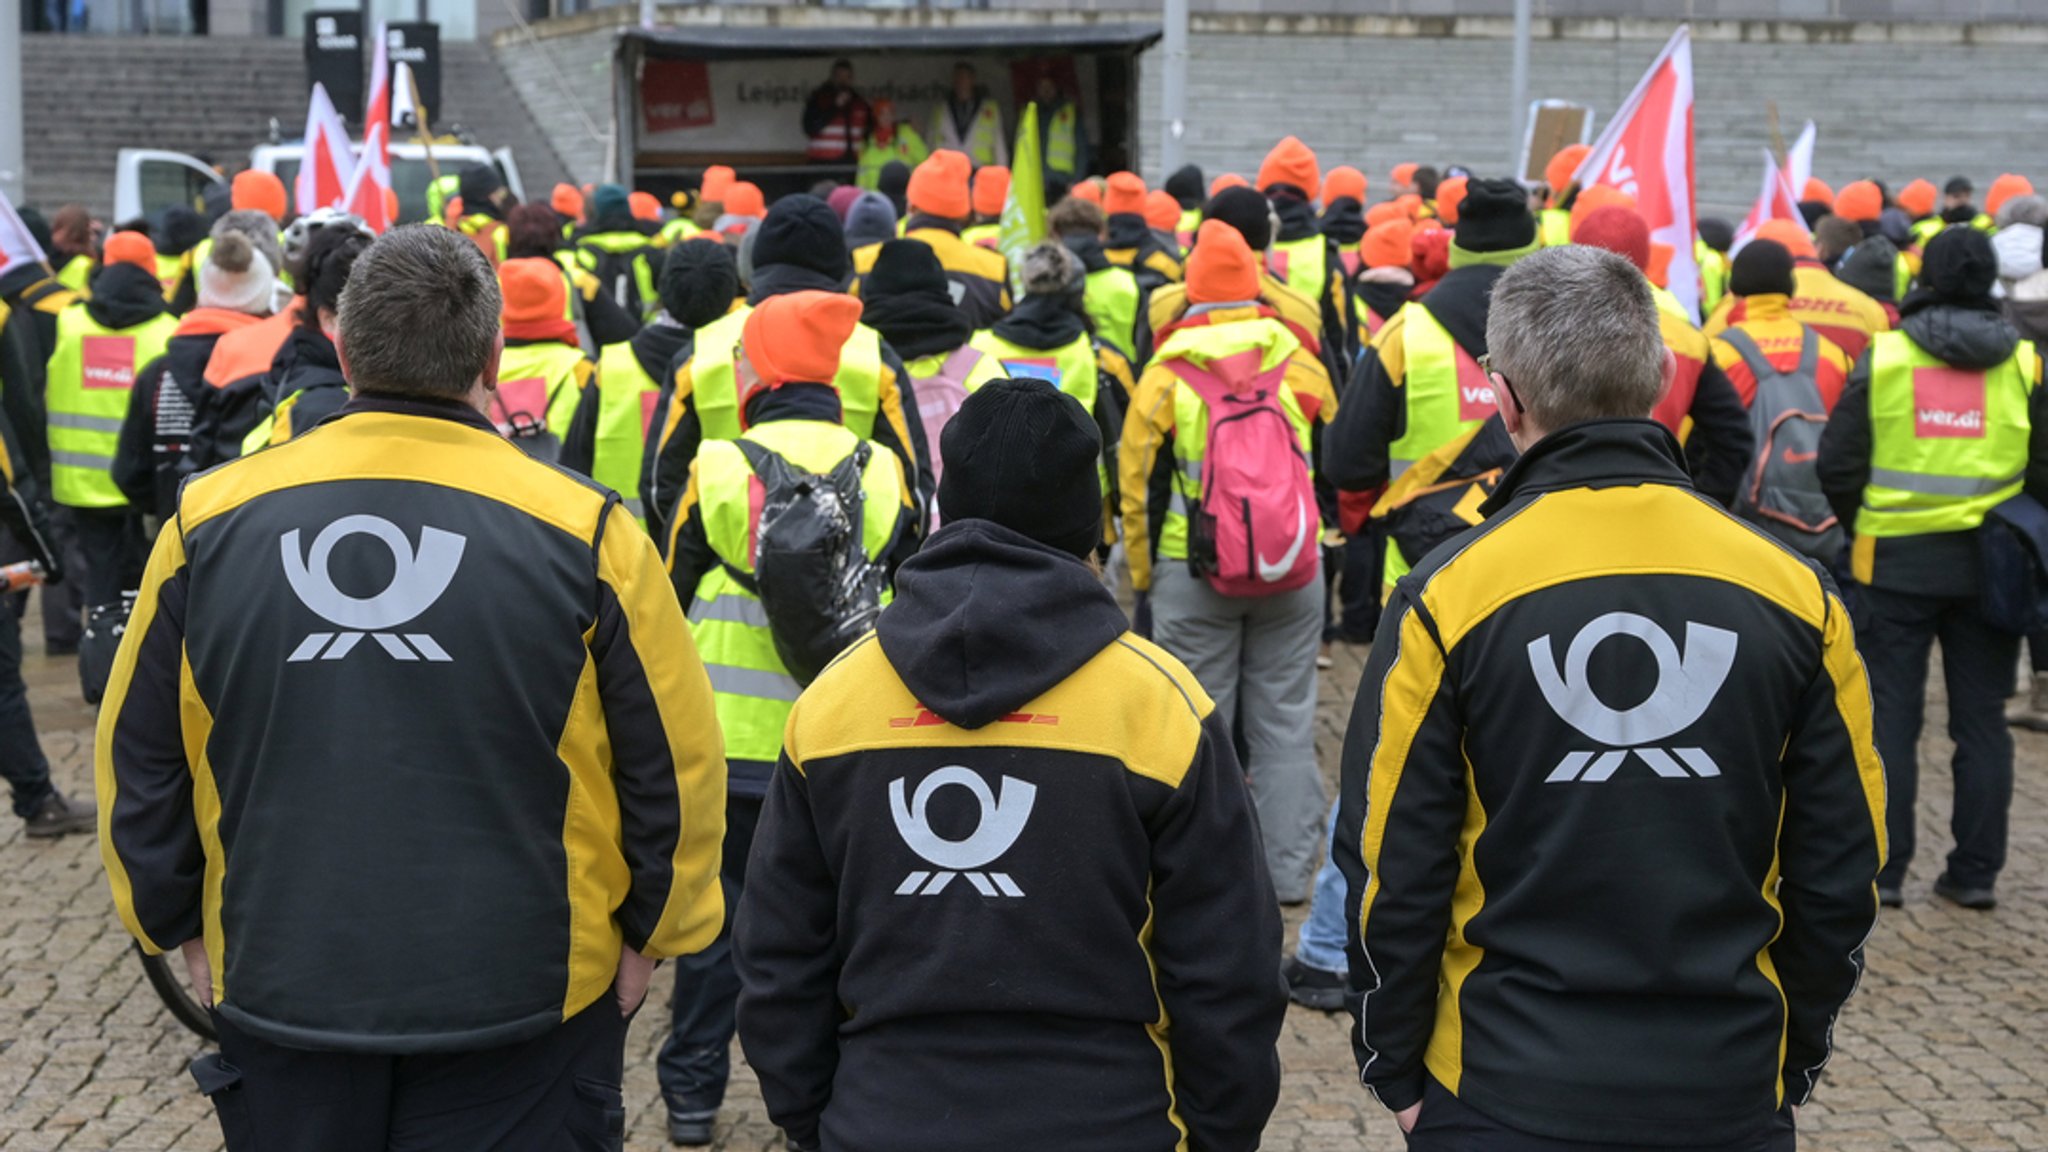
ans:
x=543 y=371
x=1917 y=199
x=102 y=347
x=970 y=121
x=941 y=203
x=1553 y=224
x=2006 y=187
x=1862 y=203
x=645 y=209
x=892 y=141
x=260 y=191
x=1817 y=192
x=567 y=201
x=1162 y=212
x=1254 y=655
x=741 y=496
x=991 y=189
x=1131 y=243
x=1251 y=215
x=1385 y=277
x=1227 y=180
x=1845 y=316
x=1449 y=195
x=1343 y=219
x=1301 y=256
x=1700 y=407
x=1402 y=179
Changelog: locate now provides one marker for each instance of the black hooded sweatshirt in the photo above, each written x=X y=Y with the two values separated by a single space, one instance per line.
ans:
x=1132 y=244
x=1973 y=337
x=306 y=372
x=154 y=455
x=1006 y=844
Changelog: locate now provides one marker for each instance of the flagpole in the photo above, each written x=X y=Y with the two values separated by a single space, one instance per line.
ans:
x=1518 y=88
x=13 y=166
x=1173 y=87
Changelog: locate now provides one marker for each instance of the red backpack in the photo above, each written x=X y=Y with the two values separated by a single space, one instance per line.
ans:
x=1254 y=533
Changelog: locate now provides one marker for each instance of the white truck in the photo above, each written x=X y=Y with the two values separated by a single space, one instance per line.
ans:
x=149 y=180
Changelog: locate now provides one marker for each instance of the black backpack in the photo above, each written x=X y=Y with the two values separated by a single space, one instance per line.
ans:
x=812 y=573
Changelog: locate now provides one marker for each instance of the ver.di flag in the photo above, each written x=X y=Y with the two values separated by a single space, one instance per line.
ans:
x=17 y=245
x=1646 y=152
x=373 y=168
x=328 y=166
x=1024 y=209
x=1775 y=201
x=1799 y=160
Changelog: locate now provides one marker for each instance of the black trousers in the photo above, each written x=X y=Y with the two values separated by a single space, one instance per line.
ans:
x=21 y=758
x=108 y=552
x=696 y=1059
x=1448 y=1124
x=555 y=1093
x=1896 y=632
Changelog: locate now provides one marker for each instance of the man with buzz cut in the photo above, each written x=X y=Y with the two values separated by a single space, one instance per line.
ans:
x=420 y=862
x=1611 y=811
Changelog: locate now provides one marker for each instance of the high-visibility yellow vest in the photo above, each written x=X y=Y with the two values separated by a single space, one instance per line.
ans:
x=1111 y=300
x=493 y=231
x=905 y=147
x=539 y=381
x=1554 y=227
x=1713 y=275
x=170 y=270
x=714 y=389
x=629 y=244
x=1071 y=369
x=1668 y=303
x=751 y=688
x=1303 y=265
x=75 y=274
x=626 y=399
x=1946 y=444
x=984 y=137
x=1902 y=277
x=676 y=231
x=1190 y=223
x=91 y=373
x=1445 y=393
x=1060 y=132
x=1202 y=346
x=976 y=233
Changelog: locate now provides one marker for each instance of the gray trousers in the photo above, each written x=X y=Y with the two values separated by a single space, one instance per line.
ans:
x=1256 y=657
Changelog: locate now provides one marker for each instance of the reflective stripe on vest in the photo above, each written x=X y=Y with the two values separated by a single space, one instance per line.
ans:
x=1110 y=298
x=91 y=374
x=626 y=399
x=715 y=395
x=1059 y=140
x=1273 y=342
x=1946 y=444
x=1303 y=265
x=537 y=382
x=752 y=690
x=1445 y=392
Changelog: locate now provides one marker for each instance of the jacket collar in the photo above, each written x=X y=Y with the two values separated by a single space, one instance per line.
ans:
x=1596 y=454
x=454 y=410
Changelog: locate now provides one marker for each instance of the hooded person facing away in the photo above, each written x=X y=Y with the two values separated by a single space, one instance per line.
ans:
x=1026 y=837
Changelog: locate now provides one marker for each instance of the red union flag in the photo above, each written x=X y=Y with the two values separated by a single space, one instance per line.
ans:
x=372 y=177
x=1776 y=201
x=328 y=167
x=1646 y=152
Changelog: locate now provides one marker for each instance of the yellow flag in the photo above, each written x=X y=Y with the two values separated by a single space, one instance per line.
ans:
x=1024 y=209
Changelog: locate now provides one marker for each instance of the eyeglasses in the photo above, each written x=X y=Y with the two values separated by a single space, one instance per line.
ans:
x=1493 y=374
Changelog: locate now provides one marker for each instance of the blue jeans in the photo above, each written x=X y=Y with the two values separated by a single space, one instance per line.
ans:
x=1321 y=943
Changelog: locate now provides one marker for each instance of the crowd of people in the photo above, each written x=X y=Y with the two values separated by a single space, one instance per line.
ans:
x=918 y=644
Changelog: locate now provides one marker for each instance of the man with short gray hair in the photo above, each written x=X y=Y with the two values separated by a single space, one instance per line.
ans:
x=408 y=751
x=1611 y=812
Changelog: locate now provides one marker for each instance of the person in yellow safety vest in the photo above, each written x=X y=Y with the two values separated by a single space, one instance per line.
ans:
x=940 y=205
x=991 y=189
x=484 y=197
x=101 y=345
x=614 y=249
x=1958 y=205
x=1554 y=223
x=1387 y=279
x=1862 y=203
x=1419 y=384
x=970 y=122
x=1062 y=138
x=799 y=247
x=1300 y=255
x=791 y=418
x=543 y=370
x=567 y=202
x=1130 y=242
x=607 y=437
x=74 y=247
x=1046 y=338
x=892 y=139
x=1250 y=213
x=1710 y=250
x=1113 y=296
x=1343 y=218
x=306 y=384
x=441 y=191
x=1256 y=656
x=1941 y=422
x=1187 y=187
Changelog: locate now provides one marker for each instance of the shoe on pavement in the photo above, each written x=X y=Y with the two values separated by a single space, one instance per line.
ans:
x=1324 y=660
x=1890 y=897
x=59 y=815
x=1313 y=987
x=1979 y=899
x=2029 y=709
x=691 y=1129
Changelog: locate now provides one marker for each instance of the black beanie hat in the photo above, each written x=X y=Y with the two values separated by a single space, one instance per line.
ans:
x=894 y=182
x=803 y=231
x=1718 y=233
x=1494 y=217
x=1187 y=186
x=906 y=268
x=1959 y=267
x=477 y=184
x=1762 y=268
x=699 y=281
x=1023 y=454
x=1245 y=210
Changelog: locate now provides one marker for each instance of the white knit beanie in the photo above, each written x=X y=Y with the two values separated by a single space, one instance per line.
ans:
x=237 y=277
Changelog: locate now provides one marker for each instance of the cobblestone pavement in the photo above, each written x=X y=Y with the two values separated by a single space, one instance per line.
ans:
x=1945 y=1046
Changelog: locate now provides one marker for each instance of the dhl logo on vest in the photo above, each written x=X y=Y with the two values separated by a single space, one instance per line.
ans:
x=107 y=362
x=1948 y=403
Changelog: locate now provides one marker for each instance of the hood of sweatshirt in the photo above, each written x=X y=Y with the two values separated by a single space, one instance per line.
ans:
x=1962 y=336
x=1297 y=218
x=656 y=345
x=1041 y=322
x=191 y=346
x=124 y=296
x=307 y=360
x=1344 y=220
x=987 y=620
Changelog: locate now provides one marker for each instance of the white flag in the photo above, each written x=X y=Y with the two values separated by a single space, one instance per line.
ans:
x=328 y=166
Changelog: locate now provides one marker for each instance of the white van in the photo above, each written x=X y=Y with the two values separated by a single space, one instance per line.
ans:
x=149 y=180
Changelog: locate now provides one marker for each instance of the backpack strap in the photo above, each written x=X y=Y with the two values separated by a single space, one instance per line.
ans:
x=1760 y=365
x=770 y=471
x=958 y=364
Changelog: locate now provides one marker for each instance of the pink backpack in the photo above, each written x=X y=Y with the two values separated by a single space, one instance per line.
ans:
x=938 y=397
x=1255 y=531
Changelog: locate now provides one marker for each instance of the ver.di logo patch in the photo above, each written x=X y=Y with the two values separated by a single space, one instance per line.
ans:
x=418 y=579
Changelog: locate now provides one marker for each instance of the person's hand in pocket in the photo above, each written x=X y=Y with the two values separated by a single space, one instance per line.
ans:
x=1407 y=1117
x=635 y=971
x=198 y=969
